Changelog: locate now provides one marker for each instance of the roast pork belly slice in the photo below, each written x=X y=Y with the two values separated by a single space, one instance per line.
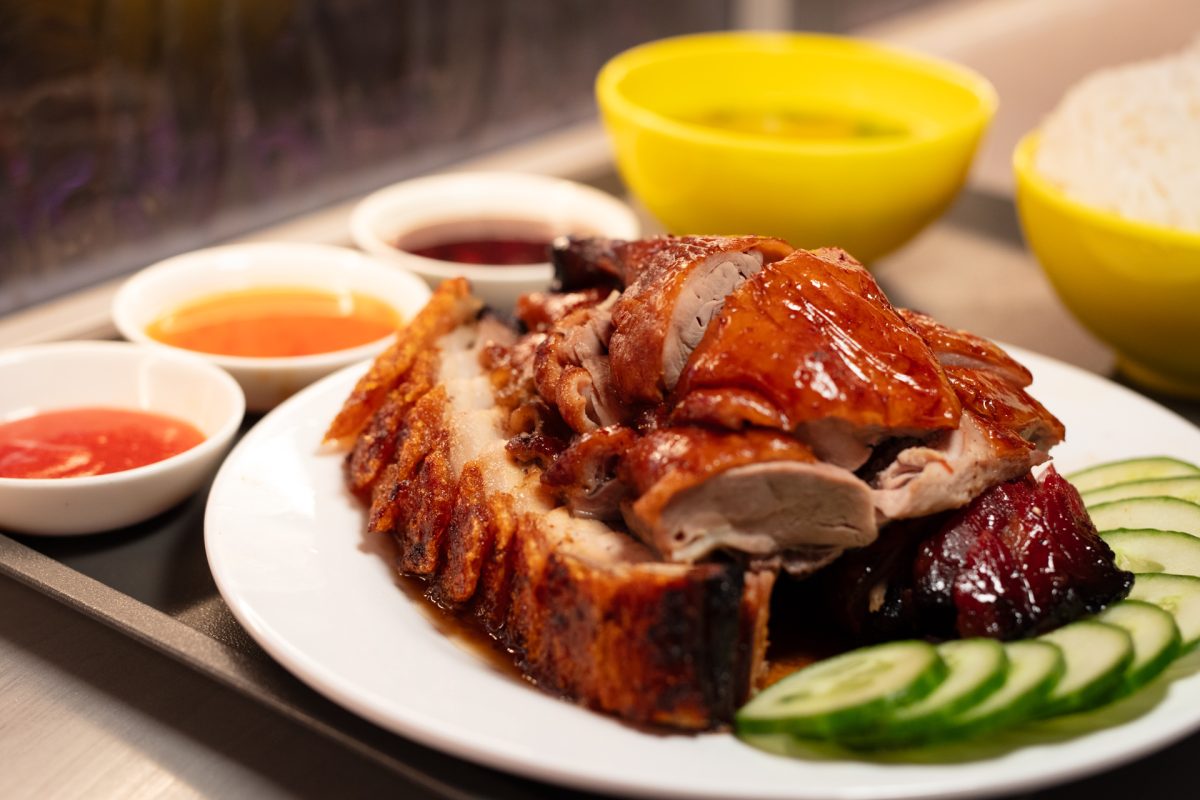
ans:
x=761 y=493
x=586 y=610
x=811 y=345
x=672 y=292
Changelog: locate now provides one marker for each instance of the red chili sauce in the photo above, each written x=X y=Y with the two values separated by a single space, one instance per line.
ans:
x=78 y=442
x=500 y=243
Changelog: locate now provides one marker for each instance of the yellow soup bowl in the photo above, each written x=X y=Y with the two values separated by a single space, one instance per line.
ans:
x=1134 y=285
x=820 y=140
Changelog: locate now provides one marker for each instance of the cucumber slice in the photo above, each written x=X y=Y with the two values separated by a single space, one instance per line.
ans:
x=1034 y=669
x=1185 y=488
x=1177 y=594
x=845 y=694
x=1155 y=551
x=1160 y=513
x=1156 y=639
x=977 y=667
x=1133 y=469
x=1097 y=656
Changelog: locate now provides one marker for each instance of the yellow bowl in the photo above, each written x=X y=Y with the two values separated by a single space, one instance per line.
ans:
x=1133 y=284
x=876 y=142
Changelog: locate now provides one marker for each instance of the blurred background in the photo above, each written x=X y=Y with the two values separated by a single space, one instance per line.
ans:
x=134 y=129
x=131 y=129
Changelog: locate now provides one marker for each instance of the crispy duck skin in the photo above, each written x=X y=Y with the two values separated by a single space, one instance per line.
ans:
x=989 y=382
x=586 y=611
x=673 y=287
x=1003 y=431
x=582 y=263
x=853 y=372
x=584 y=474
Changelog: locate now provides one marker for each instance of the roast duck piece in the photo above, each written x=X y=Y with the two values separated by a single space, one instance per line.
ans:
x=613 y=491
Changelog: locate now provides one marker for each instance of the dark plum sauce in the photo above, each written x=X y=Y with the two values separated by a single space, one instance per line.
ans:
x=501 y=243
x=497 y=252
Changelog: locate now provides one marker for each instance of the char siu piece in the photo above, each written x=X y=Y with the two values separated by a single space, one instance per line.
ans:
x=810 y=345
x=1021 y=559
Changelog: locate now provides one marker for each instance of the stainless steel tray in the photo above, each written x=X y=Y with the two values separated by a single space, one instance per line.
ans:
x=151 y=583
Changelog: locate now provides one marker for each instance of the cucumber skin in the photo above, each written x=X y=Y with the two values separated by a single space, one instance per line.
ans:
x=1101 y=690
x=1151 y=467
x=894 y=733
x=1189 y=644
x=1099 y=512
x=1115 y=539
x=1022 y=709
x=1181 y=487
x=1137 y=678
x=842 y=722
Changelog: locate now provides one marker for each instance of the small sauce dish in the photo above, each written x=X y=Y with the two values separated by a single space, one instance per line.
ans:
x=280 y=278
x=494 y=221
x=114 y=375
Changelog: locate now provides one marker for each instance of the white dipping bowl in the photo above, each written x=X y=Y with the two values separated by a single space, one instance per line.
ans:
x=167 y=285
x=402 y=211
x=65 y=375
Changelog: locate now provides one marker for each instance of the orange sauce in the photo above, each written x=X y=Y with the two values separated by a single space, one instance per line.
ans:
x=276 y=321
x=78 y=442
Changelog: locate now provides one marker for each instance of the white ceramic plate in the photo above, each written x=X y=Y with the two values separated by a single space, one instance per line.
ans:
x=286 y=547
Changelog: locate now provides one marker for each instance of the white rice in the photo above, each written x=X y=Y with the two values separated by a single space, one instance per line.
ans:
x=1128 y=140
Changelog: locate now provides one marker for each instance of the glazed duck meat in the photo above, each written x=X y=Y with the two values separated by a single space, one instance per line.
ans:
x=613 y=489
x=853 y=373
